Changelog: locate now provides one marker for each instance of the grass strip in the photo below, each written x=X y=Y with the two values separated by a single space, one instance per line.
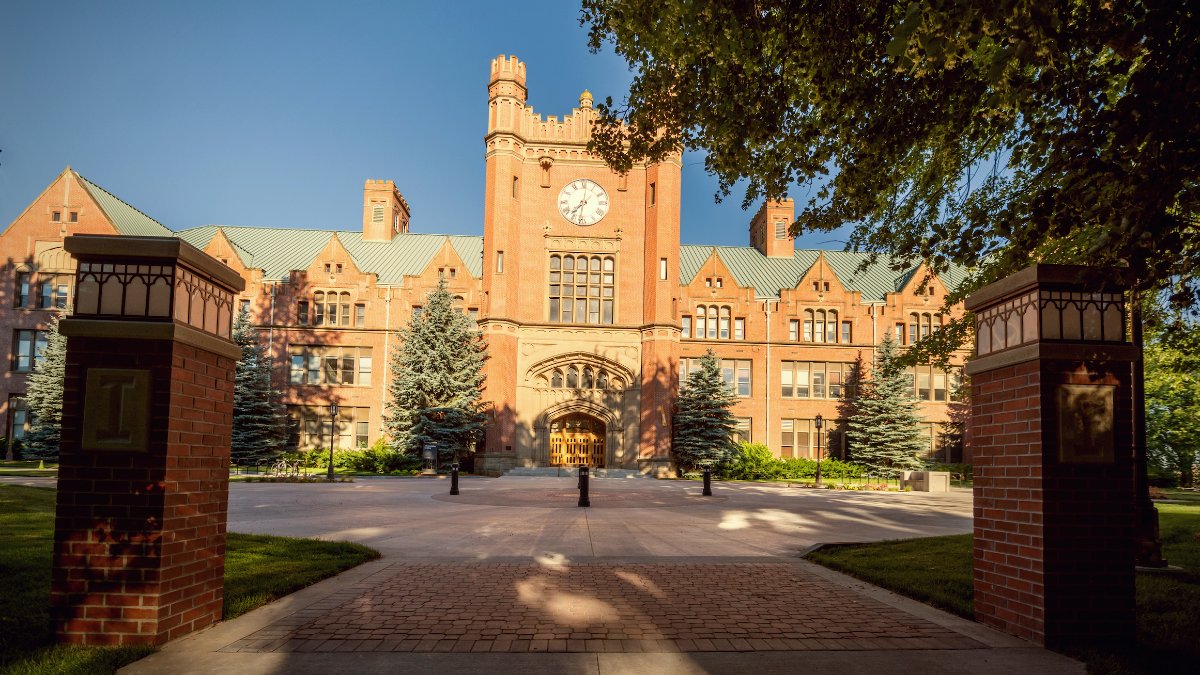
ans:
x=258 y=569
x=937 y=570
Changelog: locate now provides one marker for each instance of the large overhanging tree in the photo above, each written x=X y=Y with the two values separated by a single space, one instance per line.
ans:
x=986 y=133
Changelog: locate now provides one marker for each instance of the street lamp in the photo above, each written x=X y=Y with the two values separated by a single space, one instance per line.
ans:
x=333 y=411
x=819 y=422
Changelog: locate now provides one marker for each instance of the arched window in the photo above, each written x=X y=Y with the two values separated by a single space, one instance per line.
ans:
x=556 y=380
x=724 y=323
x=831 y=326
x=808 y=325
x=819 y=327
x=712 y=322
x=602 y=380
x=318 y=308
x=344 y=301
x=913 y=323
x=926 y=324
x=572 y=377
x=588 y=382
x=701 y=320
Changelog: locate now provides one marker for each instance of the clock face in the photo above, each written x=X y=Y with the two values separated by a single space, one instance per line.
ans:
x=583 y=202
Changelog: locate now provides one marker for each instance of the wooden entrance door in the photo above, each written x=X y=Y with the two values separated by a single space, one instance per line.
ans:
x=577 y=439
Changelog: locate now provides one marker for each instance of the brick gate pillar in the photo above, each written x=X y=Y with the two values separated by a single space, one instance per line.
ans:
x=1052 y=435
x=139 y=536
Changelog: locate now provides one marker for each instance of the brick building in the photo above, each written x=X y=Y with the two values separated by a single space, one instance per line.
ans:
x=591 y=308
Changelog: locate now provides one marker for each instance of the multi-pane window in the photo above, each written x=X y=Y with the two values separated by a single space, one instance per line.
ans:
x=813 y=379
x=686 y=325
x=847 y=332
x=27 y=349
x=799 y=438
x=578 y=376
x=323 y=364
x=927 y=383
x=302 y=312
x=921 y=325
x=794 y=330
x=360 y=315
x=713 y=322
x=735 y=373
x=820 y=325
x=311 y=427
x=53 y=291
x=243 y=306
x=582 y=288
x=329 y=308
x=18 y=418
x=21 y=295
x=741 y=430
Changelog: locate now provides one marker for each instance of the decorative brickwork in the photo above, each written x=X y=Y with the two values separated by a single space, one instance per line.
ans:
x=1054 y=545
x=139 y=540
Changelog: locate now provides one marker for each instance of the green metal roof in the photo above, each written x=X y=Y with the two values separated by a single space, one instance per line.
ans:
x=768 y=276
x=128 y=220
x=277 y=251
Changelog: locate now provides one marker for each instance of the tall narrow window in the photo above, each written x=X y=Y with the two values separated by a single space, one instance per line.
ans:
x=686 y=325
x=499 y=262
x=572 y=377
x=739 y=329
x=516 y=190
x=724 y=326
x=899 y=333
x=21 y=296
x=360 y=315
x=913 y=322
x=819 y=327
x=794 y=329
x=831 y=326
x=318 y=314
x=808 y=325
x=712 y=323
x=662 y=269
x=818 y=380
x=345 y=308
x=787 y=439
x=588 y=378
x=302 y=312
x=785 y=379
x=653 y=194
x=27 y=348
x=701 y=321
x=847 y=332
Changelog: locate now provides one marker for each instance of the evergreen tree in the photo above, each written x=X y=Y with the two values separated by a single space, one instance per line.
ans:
x=885 y=429
x=954 y=429
x=852 y=388
x=259 y=418
x=44 y=396
x=437 y=381
x=703 y=424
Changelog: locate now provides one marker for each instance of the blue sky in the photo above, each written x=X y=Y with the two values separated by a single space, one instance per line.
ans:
x=273 y=114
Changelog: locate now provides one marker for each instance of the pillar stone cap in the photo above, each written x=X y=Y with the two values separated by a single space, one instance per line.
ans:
x=134 y=248
x=1041 y=274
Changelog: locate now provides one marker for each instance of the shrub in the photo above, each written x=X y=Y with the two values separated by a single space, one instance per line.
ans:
x=750 y=461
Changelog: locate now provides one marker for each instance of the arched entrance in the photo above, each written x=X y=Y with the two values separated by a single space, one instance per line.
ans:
x=577 y=439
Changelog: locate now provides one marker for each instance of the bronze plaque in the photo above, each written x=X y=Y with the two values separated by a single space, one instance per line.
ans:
x=116 y=410
x=1085 y=423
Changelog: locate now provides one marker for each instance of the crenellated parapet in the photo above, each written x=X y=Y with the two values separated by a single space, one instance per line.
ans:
x=509 y=114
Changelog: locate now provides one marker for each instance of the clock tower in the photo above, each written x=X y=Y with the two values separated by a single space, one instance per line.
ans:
x=580 y=277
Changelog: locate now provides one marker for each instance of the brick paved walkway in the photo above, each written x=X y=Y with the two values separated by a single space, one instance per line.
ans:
x=598 y=607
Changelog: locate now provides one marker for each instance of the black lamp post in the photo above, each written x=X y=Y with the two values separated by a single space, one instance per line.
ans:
x=819 y=422
x=333 y=411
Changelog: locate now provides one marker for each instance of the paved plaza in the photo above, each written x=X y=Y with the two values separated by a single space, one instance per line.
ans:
x=512 y=576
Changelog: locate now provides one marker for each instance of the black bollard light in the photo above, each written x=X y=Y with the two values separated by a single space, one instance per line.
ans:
x=583 y=486
x=707 y=482
x=454 y=478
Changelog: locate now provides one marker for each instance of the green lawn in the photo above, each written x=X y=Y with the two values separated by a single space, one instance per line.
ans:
x=937 y=570
x=27 y=468
x=258 y=569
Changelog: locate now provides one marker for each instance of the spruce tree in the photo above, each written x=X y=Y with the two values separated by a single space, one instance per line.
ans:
x=885 y=429
x=436 y=383
x=259 y=418
x=704 y=424
x=852 y=388
x=44 y=396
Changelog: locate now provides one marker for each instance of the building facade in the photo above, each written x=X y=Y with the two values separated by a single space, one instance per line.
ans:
x=591 y=308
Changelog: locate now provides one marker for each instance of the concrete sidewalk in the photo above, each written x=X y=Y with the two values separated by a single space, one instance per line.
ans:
x=514 y=577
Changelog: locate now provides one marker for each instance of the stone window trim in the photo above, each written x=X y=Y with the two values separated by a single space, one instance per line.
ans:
x=921 y=325
x=27 y=348
x=309 y=427
x=813 y=379
x=326 y=307
x=820 y=325
x=737 y=373
x=338 y=365
x=580 y=371
x=715 y=322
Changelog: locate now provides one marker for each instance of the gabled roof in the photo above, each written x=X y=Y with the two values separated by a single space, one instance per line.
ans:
x=768 y=276
x=278 y=251
x=128 y=220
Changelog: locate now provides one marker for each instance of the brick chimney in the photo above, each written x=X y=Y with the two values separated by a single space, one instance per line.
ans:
x=385 y=213
x=769 y=229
